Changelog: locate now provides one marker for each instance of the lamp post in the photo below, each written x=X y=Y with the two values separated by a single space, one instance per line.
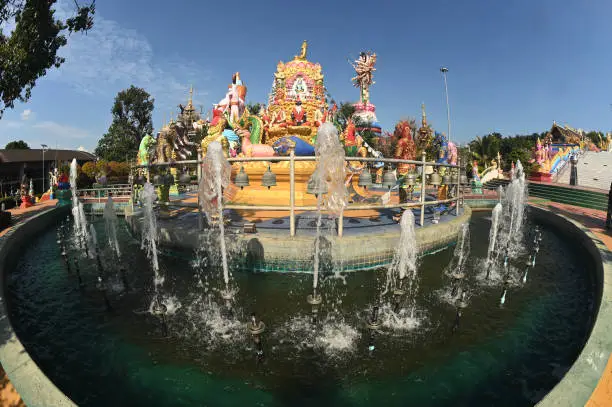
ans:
x=444 y=70
x=44 y=148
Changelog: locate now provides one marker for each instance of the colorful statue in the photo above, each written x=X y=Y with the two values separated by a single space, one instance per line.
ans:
x=539 y=158
x=447 y=151
x=405 y=150
x=143 y=149
x=364 y=68
x=296 y=102
x=348 y=136
x=298 y=115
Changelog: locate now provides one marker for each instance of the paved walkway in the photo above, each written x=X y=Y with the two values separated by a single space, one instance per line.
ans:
x=594 y=171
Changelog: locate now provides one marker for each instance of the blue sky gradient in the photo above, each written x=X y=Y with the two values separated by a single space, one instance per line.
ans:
x=514 y=66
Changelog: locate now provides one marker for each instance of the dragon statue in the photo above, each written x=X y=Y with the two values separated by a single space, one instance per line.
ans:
x=173 y=142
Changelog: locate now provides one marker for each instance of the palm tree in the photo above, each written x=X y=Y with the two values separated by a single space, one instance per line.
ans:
x=485 y=148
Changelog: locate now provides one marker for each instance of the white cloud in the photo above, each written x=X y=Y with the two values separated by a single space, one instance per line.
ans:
x=57 y=130
x=26 y=114
x=81 y=148
x=110 y=58
x=11 y=124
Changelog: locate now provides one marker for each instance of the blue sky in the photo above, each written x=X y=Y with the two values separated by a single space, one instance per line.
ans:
x=514 y=66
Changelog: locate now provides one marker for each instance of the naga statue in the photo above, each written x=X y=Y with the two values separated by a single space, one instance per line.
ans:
x=144 y=149
x=173 y=142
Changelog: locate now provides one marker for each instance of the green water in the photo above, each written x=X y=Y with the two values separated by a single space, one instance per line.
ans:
x=508 y=356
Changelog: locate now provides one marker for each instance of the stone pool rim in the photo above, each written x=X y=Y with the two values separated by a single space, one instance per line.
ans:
x=575 y=388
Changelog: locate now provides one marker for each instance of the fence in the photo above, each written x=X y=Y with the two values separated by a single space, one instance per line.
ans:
x=454 y=186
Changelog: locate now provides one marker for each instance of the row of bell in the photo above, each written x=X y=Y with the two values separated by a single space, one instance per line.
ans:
x=168 y=179
x=267 y=180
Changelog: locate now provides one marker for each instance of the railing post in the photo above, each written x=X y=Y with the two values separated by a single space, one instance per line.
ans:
x=292 y=193
x=423 y=190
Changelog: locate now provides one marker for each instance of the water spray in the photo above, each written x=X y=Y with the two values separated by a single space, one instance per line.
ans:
x=78 y=272
x=315 y=301
x=160 y=309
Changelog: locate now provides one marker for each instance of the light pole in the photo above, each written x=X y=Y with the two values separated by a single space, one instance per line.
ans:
x=44 y=148
x=444 y=70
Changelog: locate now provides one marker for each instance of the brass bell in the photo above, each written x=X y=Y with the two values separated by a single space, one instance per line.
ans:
x=389 y=180
x=411 y=179
x=168 y=179
x=447 y=179
x=434 y=179
x=463 y=179
x=269 y=178
x=157 y=180
x=185 y=178
x=365 y=178
x=242 y=178
x=316 y=186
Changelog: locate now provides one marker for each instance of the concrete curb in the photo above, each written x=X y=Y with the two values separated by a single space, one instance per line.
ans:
x=34 y=387
x=580 y=381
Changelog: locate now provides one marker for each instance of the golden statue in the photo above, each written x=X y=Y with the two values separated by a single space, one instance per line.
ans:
x=302 y=56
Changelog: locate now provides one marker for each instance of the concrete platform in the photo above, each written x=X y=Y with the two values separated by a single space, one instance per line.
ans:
x=367 y=242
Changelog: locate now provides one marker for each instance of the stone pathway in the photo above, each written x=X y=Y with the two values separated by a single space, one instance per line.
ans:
x=594 y=171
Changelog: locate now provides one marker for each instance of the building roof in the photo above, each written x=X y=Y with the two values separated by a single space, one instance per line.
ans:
x=32 y=155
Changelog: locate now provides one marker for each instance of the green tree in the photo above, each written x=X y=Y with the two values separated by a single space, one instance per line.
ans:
x=132 y=120
x=30 y=49
x=485 y=148
x=254 y=108
x=17 y=145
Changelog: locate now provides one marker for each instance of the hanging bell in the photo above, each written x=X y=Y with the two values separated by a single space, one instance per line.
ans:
x=434 y=179
x=389 y=180
x=316 y=186
x=242 y=178
x=463 y=179
x=411 y=179
x=157 y=180
x=140 y=180
x=365 y=178
x=185 y=178
x=269 y=178
x=446 y=179
x=168 y=179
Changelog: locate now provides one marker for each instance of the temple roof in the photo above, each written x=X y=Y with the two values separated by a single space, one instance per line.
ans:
x=35 y=155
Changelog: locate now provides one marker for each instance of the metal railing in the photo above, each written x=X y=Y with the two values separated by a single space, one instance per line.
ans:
x=120 y=191
x=292 y=207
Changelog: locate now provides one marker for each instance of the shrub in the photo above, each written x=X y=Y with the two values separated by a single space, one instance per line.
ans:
x=9 y=202
x=89 y=168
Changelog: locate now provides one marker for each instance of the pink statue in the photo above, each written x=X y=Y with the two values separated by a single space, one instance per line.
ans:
x=452 y=153
x=254 y=150
x=236 y=104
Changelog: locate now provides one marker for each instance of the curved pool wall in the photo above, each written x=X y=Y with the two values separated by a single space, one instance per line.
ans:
x=574 y=389
x=580 y=381
x=268 y=250
x=34 y=387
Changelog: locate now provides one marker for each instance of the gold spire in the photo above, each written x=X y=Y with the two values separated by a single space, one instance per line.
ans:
x=190 y=102
x=423 y=115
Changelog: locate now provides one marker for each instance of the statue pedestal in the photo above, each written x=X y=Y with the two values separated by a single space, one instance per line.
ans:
x=540 y=177
x=477 y=187
x=256 y=194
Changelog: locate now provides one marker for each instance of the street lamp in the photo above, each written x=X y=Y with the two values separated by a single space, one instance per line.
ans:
x=444 y=70
x=44 y=148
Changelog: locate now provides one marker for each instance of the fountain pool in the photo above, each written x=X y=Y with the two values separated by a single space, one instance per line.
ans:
x=497 y=355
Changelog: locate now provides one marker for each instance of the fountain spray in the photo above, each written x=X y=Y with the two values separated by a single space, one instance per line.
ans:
x=110 y=221
x=216 y=172
x=330 y=172
x=495 y=216
x=404 y=265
